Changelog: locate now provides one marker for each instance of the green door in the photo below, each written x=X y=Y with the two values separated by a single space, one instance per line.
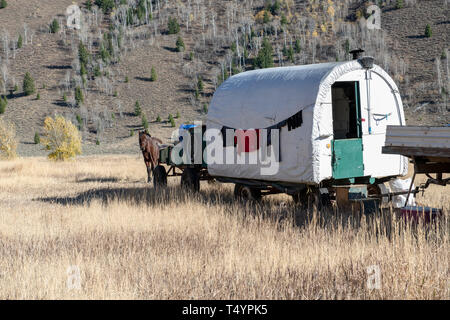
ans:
x=347 y=147
x=348 y=158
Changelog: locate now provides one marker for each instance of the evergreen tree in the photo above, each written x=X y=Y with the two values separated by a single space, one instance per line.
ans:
x=154 y=76
x=200 y=85
x=173 y=26
x=265 y=56
x=144 y=122
x=37 y=138
x=28 y=84
x=54 y=26
x=298 y=47
x=137 y=109
x=79 y=99
x=180 y=44
x=3 y=4
x=3 y=104
x=428 y=31
x=20 y=42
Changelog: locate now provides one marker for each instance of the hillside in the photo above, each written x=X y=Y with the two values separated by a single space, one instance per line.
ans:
x=220 y=37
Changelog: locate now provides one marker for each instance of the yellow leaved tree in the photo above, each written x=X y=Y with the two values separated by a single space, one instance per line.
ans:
x=62 y=138
x=8 y=141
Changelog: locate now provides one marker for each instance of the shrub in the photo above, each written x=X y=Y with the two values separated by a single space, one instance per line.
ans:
x=16 y=88
x=19 y=42
x=3 y=104
x=65 y=97
x=80 y=122
x=205 y=108
x=131 y=133
x=38 y=96
x=8 y=141
x=79 y=99
x=158 y=118
x=54 y=26
x=177 y=116
x=137 y=109
x=265 y=56
x=173 y=26
x=180 y=44
x=172 y=121
x=37 y=138
x=3 y=4
x=428 y=31
x=89 y=5
x=399 y=4
x=62 y=138
x=297 y=47
x=105 y=5
x=97 y=141
x=154 y=76
x=200 y=85
x=283 y=20
x=28 y=84
x=444 y=54
x=144 y=122
x=126 y=79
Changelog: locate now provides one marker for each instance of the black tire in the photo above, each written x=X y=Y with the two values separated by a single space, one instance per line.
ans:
x=311 y=197
x=190 y=180
x=159 y=177
x=242 y=192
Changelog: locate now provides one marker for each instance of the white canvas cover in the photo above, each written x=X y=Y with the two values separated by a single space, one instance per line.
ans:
x=262 y=98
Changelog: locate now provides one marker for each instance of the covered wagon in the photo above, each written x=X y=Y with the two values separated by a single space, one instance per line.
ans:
x=331 y=119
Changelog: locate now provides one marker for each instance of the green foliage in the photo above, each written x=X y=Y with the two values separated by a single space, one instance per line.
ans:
x=28 y=84
x=205 y=108
x=172 y=121
x=297 y=47
x=265 y=56
x=180 y=44
x=131 y=133
x=428 y=31
x=127 y=79
x=83 y=55
x=65 y=97
x=137 y=109
x=19 y=42
x=80 y=122
x=3 y=104
x=399 y=4
x=115 y=94
x=191 y=56
x=79 y=99
x=283 y=20
x=54 y=26
x=177 y=116
x=158 y=118
x=16 y=88
x=97 y=142
x=173 y=26
x=347 y=46
x=105 y=5
x=89 y=5
x=444 y=54
x=3 y=4
x=200 y=85
x=37 y=138
x=266 y=18
x=290 y=54
x=97 y=72
x=104 y=54
x=154 y=75
x=144 y=122
x=38 y=96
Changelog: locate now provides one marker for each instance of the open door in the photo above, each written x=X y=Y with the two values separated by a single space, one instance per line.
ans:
x=347 y=144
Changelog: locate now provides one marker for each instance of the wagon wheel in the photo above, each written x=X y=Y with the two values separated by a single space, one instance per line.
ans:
x=311 y=197
x=190 y=179
x=247 y=193
x=159 y=177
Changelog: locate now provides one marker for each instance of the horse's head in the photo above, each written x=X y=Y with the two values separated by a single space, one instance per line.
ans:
x=142 y=140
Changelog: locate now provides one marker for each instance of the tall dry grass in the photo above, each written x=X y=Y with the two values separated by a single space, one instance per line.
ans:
x=128 y=241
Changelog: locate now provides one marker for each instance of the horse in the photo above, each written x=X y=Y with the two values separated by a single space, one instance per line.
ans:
x=150 y=147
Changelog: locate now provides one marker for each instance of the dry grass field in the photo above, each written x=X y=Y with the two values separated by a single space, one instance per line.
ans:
x=96 y=215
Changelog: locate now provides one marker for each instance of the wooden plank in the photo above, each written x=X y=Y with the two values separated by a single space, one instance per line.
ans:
x=417 y=151
x=432 y=167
